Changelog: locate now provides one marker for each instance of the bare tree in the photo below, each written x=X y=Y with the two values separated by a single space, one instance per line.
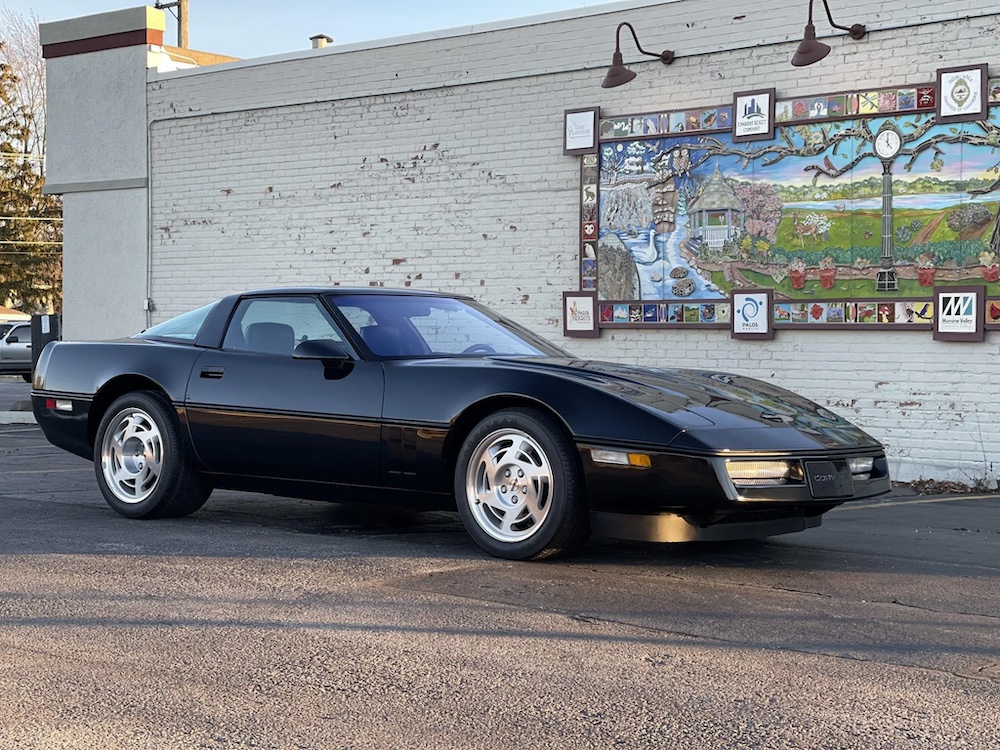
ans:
x=30 y=221
x=22 y=53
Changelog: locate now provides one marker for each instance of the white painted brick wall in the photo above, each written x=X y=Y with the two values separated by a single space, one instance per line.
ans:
x=438 y=164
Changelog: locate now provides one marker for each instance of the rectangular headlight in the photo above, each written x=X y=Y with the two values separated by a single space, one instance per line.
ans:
x=759 y=473
x=861 y=467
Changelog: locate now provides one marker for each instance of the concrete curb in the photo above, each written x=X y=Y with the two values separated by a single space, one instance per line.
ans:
x=17 y=417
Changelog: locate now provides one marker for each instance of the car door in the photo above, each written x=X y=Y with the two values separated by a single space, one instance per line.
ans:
x=253 y=409
x=15 y=348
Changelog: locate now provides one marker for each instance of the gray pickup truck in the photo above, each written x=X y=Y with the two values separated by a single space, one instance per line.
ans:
x=15 y=349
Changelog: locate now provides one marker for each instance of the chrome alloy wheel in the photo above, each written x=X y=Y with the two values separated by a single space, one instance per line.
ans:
x=132 y=453
x=509 y=485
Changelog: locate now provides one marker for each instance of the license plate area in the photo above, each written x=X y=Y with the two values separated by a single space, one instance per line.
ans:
x=829 y=479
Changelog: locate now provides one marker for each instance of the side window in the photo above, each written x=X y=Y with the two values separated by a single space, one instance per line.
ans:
x=21 y=333
x=276 y=325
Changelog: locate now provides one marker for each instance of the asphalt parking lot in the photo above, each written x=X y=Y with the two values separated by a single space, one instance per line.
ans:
x=268 y=623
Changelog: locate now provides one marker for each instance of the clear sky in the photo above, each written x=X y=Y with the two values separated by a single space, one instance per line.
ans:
x=256 y=28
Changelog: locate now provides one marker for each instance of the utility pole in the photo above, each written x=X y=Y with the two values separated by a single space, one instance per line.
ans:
x=182 y=19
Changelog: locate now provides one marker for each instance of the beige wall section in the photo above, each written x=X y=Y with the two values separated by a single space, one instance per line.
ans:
x=104 y=263
x=96 y=119
x=97 y=159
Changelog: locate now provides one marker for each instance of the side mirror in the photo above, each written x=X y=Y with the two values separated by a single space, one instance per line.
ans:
x=13 y=340
x=322 y=349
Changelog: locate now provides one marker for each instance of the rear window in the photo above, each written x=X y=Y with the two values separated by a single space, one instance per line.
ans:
x=185 y=326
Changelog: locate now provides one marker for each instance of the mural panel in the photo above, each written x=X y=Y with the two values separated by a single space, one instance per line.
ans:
x=851 y=213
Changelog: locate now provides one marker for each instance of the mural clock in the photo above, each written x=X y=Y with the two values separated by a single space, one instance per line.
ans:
x=888 y=144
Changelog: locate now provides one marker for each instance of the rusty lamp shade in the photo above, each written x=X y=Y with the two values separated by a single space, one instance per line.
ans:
x=811 y=50
x=618 y=74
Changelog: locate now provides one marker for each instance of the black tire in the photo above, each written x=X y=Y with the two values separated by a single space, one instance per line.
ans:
x=26 y=377
x=524 y=454
x=142 y=463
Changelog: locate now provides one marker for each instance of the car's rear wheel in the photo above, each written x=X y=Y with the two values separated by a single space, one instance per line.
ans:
x=143 y=466
x=519 y=487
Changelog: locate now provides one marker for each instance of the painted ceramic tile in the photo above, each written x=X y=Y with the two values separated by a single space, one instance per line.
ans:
x=637 y=125
x=853 y=102
x=649 y=314
x=868 y=104
x=589 y=268
x=886 y=312
x=709 y=119
x=589 y=284
x=708 y=313
x=607 y=128
x=725 y=117
x=800 y=312
x=692 y=313
x=651 y=124
x=692 y=119
x=783 y=110
x=621 y=313
x=923 y=312
x=665 y=123
x=818 y=107
x=590 y=161
x=994 y=91
x=850 y=312
x=906 y=99
x=993 y=311
x=800 y=109
x=926 y=97
x=887 y=101
x=835 y=312
x=867 y=312
x=635 y=313
x=676 y=314
x=723 y=313
x=837 y=106
x=782 y=313
x=676 y=122
x=817 y=312
x=607 y=313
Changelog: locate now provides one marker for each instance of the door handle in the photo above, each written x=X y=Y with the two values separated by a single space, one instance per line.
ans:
x=213 y=372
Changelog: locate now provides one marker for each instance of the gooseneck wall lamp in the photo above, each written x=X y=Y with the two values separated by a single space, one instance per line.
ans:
x=810 y=50
x=618 y=73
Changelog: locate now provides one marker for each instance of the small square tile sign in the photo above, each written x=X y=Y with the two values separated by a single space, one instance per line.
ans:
x=580 y=314
x=962 y=94
x=959 y=313
x=751 y=314
x=753 y=115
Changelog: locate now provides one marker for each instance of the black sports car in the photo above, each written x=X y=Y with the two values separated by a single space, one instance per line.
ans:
x=432 y=400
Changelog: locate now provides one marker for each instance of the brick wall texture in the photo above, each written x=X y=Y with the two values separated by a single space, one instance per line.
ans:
x=436 y=162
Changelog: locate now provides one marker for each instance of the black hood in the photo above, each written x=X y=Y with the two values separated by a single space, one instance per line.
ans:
x=720 y=401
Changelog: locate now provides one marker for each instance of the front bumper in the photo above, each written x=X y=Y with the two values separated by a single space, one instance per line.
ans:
x=700 y=484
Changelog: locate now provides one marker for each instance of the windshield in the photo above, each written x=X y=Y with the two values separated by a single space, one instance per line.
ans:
x=408 y=325
x=185 y=326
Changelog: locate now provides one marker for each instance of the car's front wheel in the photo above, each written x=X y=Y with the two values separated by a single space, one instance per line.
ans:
x=143 y=466
x=519 y=487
